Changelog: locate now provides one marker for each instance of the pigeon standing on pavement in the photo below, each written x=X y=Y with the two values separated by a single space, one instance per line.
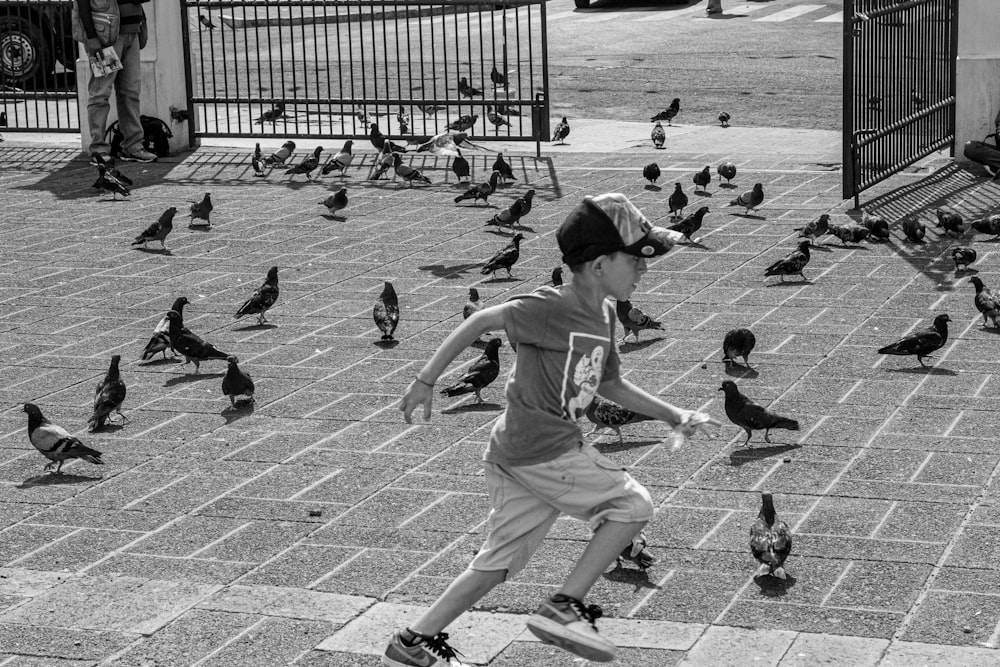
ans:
x=512 y=215
x=633 y=320
x=55 y=442
x=724 y=119
x=921 y=343
x=463 y=122
x=914 y=229
x=479 y=376
x=201 y=211
x=951 y=221
x=496 y=119
x=257 y=161
x=205 y=21
x=877 y=226
x=341 y=161
x=561 y=132
x=770 y=540
x=109 y=394
x=280 y=156
x=505 y=258
x=481 y=190
x=406 y=172
x=607 y=414
x=658 y=135
x=690 y=224
x=308 y=165
x=557 y=276
x=669 y=113
x=472 y=306
x=651 y=172
x=988 y=225
x=985 y=302
x=460 y=167
x=702 y=179
x=108 y=182
x=816 y=228
x=383 y=162
x=262 y=299
x=467 y=90
x=726 y=170
x=750 y=416
x=738 y=343
x=158 y=230
x=380 y=141
x=750 y=199
x=160 y=341
x=403 y=119
x=237 y=385
x=190 y=345
x=850 y=233
x=271 y=115
x=502 y=166
x=336 y=202
x=791 y=264
x=386 y=311
x=677 y=201
x=963 y=256
x=498 y=78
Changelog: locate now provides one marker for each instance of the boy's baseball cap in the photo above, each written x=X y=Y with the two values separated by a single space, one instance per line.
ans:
x=610 y=223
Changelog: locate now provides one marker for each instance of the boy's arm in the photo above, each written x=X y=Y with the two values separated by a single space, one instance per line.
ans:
x=636 y=399
x=421 y=390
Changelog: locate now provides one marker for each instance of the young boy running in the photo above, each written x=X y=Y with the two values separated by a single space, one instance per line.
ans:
x=537 y=466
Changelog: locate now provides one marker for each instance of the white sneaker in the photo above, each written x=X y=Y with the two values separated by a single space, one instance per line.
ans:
x=138 y=154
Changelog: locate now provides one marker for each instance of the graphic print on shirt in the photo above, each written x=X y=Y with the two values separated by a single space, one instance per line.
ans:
x=582 y=374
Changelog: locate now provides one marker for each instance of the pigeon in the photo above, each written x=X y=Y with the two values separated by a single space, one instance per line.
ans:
x=341 y=161
x=986 y=303
x=205 y=21
x=738 y=343
x=189 y=344
x=651 y=172
x=816 y=228
x=201 y=211
x=383 y=162
x=951 y=222
x=512 y=215
x=791 y=264
x=635 y=552
x=502 y=166
x=498 y=78
x=669 y=113
x=606 y=414
x=262 y=299
x=496 y=119
x=479 y=376
x=336 y=202
x=921 y=343
x=108 y=182
x=963 y=256
x=381 y=142
x=849 y=233
x=112 y=171
x=561 y=132
x=914 y=229
x=508 y=110
x=272 y=115
x=876 y=224
x=750 y=416
x=472 y=306
x=691 y=223
x=447 y=143
x=466 y=90
x=257 y=161
x=658 y=135
x=677 y=201
x=726 y=170
x=463 y=122
x=365 y=118
x=505 y=258
x=236 y=384
x=308 y=165
x=557 y=276
x=109 y=394
x=702 y=179
x=403 y=119
x=406 y=172
x=430 y=109
x=634 y=320
x=55 y=442
x=750 y=199
x=160 y=341
x=386 y=311
x=988 y=225
x=158 y=230
x=460 y=167
x=770 y=540
x=278 y=157
x=724 y=119
x=480 y=191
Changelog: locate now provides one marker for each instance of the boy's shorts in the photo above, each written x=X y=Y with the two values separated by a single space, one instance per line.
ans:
x=526 y=501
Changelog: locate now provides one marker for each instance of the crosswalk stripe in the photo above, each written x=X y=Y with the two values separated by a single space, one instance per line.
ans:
x=790 y=13
x=738 y=10
x=832 y=18
x=667 y=15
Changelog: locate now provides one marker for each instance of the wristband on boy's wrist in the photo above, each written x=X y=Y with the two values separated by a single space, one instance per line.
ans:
x=429 y=384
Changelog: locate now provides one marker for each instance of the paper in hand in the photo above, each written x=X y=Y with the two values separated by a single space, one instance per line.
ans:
x=105 y=62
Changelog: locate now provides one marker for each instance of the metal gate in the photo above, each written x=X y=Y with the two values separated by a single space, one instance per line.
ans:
x=899 y=86
x=326 y=68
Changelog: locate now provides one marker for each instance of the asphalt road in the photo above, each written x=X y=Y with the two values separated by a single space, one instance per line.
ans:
x=626 y=59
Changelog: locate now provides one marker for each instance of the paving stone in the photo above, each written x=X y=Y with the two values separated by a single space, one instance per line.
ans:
x=191 y=637
x=813 y=619
x=69 y=643
x=902 y=654
x=78 y=550
x=288 y=603
x=299 y=566
x=816 y=650
x=271 y=641
x=954 y=618
x=725 y=647
x=199 y=570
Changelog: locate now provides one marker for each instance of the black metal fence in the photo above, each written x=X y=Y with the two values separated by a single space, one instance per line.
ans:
x=37 y=57
x=899 y=86
x=322 y=68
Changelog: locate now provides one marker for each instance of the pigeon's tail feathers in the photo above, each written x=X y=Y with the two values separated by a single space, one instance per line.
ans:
x=784 y=422
x=458 y=389
x=86 y=453
x=894 y=348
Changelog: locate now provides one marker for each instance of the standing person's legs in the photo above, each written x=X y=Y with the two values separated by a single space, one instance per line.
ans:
x=98 y=91
x=128 y=87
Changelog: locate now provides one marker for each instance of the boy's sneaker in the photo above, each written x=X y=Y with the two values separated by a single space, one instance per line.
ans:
x=138 y=154
x=429 y=652
x=565 y=622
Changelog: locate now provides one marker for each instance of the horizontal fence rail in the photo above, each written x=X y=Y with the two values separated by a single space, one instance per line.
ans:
x=37 y=57
x=899 y=86
x=315 y=68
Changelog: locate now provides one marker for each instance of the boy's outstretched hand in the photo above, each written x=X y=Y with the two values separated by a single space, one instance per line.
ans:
x=416 y=394
x=690 y=423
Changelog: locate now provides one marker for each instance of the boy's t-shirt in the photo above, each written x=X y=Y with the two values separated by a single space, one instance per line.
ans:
x=565 y=349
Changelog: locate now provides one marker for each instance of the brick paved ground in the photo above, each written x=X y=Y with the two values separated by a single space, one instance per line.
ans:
x=303 y=531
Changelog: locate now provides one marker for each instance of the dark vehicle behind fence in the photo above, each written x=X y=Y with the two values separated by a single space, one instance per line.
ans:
x=35 y=42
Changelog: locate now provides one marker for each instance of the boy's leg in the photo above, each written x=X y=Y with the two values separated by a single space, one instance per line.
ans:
x=608 y=541
x=467 y=589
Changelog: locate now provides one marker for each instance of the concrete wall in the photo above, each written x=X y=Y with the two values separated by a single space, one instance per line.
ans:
x=162 y=74
x=978 y=71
